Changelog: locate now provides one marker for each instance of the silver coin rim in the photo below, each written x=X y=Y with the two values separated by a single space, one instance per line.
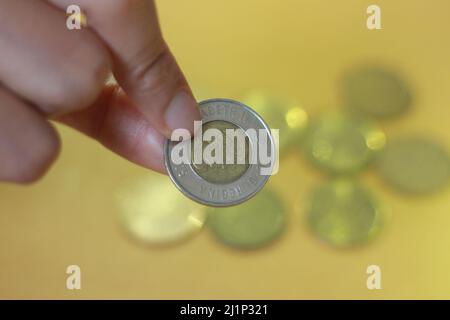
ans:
x=237 y=201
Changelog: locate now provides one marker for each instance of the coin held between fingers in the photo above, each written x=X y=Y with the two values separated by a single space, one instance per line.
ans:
x=224 y=184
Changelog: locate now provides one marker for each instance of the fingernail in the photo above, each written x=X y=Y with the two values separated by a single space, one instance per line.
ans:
x=182 y=112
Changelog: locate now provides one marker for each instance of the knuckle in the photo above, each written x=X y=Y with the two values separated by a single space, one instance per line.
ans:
x=156 y=75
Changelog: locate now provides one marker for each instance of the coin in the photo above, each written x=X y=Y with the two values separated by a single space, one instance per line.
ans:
x=227 y=184
x=254 y=224
x=287 y=116
x=375 y=91
x=415 y=164
x=342 y=144
x=222 y=173
x=343 y=213
x=154 y=212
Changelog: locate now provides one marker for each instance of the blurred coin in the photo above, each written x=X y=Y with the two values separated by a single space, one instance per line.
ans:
x=415 y=165
x=250 y=225
x=289 y=117
x=342 y=144
x=154 y=212
x=343 y=213
x=375 y=91
x=227 y=184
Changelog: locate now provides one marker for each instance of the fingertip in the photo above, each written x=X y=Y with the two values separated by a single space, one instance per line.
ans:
x=181 y=113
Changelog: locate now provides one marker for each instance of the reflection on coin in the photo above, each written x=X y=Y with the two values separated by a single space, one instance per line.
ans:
x=205 y=184
x=251 y=225
x=376 y=92
x=290 y=118
x=415 y=165
x=154 y=212
x=341 y=144
x=343 y=213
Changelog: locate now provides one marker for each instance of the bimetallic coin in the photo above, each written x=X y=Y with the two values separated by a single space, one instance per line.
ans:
x=376 y=92
x=415 y=165
x=342 y=144
x=343 y=214
x=254 y=224
x=228 y=184
x=289 y=117
x=154 y=212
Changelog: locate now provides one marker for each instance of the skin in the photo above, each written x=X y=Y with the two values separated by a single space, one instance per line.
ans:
x=50 y=72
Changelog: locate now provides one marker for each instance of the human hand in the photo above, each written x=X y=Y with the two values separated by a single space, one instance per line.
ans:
x=50 y=72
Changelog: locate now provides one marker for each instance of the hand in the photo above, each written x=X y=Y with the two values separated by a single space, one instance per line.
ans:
x=50 y=72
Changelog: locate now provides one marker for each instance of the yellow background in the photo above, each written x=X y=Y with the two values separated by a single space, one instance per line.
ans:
x=298 y=50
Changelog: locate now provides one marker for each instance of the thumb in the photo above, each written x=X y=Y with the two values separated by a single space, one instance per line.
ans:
x=143 y=64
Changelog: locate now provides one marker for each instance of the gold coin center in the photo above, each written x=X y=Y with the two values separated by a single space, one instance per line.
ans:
x=222 y=172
